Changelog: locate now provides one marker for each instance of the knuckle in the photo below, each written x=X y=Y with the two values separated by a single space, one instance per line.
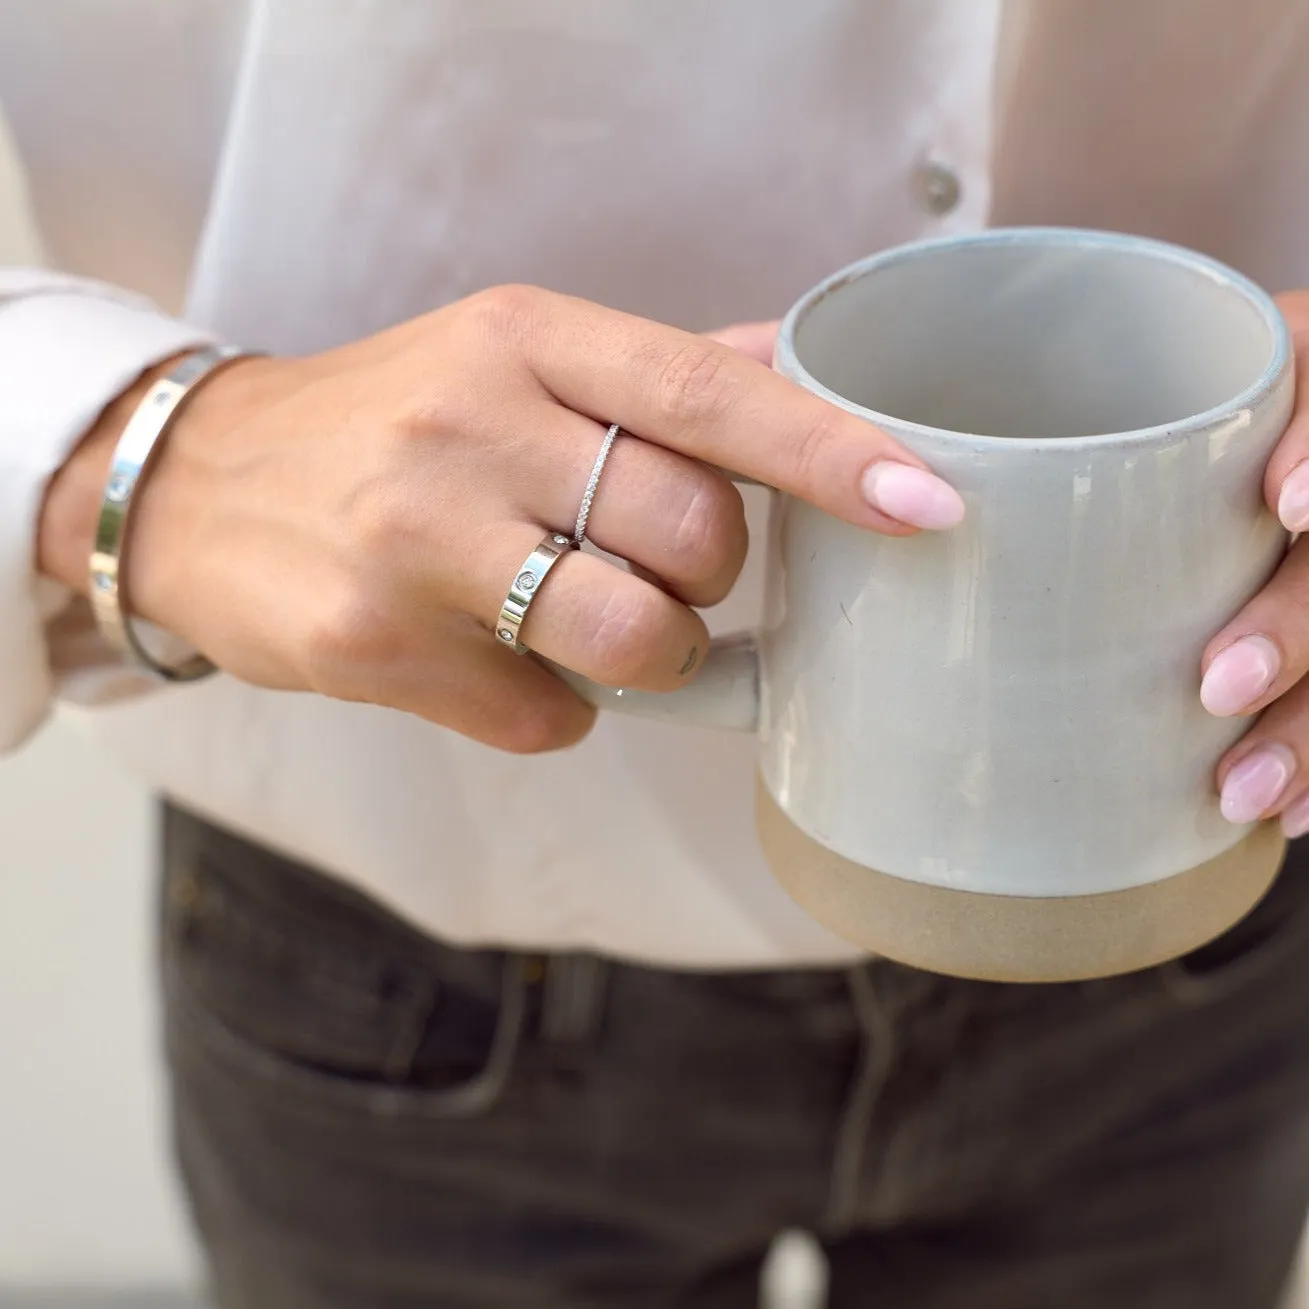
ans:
x=385 y=525
x=626 y=634
x=348 y=643
x=813 y=445
x=694 y=383
x=504 y=312
x=444 y=410
x=708 y=538
x=547 y=724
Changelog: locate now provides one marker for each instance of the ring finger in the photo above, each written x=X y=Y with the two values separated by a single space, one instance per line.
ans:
x=1264 y=651
x=588 y=615
x=1263 y=775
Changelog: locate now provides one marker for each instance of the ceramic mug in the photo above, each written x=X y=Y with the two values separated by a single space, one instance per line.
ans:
x=983 y=751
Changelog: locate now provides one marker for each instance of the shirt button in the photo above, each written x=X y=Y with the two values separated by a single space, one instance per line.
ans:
x=937 y=188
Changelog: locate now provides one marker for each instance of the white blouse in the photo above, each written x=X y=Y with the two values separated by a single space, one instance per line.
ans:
x=289 y=174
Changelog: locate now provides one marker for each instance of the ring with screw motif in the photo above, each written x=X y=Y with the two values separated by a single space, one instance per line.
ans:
x=525 y=586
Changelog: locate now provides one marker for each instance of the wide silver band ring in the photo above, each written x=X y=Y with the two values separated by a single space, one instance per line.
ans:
x=525 y=586
x=588 y=496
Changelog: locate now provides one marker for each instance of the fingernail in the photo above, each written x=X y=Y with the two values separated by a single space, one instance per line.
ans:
x=912 y=496
x=1295 y=821
x=1239 y=675
x=1254 y=786
x=1293 y=500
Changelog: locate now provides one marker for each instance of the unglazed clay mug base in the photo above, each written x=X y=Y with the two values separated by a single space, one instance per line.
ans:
x=1012 y=938
x=983 y=751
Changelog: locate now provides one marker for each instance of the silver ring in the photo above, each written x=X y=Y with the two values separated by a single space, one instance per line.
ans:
x=584 y=511
x=527 y=582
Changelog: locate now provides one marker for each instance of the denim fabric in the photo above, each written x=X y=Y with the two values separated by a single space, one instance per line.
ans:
x=366 y=1117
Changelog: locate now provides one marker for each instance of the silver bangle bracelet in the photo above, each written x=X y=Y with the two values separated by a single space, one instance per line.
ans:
x=133 y=455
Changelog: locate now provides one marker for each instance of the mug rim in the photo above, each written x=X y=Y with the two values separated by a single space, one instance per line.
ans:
x=788 y=361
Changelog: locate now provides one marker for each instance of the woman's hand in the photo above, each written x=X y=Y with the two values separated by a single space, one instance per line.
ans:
x=349 y=523
x=1259 y=660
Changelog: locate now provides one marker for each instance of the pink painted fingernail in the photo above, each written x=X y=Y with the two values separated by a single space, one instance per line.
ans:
x=1293 y=500
x=1255 y=785
x=1295 y=821
x=1239 y=675
x=912 y=496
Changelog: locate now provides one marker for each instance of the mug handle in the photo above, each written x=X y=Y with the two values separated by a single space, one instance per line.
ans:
x=725 y=694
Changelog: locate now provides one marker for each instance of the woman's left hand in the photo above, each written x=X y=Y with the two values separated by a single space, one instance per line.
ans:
x=1259 y=661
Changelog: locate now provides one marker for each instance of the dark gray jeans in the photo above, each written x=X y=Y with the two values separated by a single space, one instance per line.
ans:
x=368 y=1118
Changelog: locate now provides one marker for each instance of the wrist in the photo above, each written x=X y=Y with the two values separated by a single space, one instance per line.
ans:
x=176 y=495
x=74 y=497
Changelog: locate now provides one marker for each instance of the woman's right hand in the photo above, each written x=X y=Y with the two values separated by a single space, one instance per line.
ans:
x=349 y=522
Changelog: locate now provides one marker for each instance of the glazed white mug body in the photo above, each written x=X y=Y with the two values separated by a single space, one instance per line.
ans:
x=1011 y=708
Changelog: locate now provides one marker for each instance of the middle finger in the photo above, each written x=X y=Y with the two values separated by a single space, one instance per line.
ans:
x=669 y=515
x=1264 y=651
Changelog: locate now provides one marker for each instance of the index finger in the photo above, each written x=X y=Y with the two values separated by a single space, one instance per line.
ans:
x=706 y=400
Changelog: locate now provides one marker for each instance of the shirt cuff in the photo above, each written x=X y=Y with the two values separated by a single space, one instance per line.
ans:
x=64 y=355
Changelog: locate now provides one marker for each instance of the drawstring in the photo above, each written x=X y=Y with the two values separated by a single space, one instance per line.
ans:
x=876 y=1038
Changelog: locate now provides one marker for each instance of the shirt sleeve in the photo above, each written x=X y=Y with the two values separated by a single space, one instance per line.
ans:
x=68 y=346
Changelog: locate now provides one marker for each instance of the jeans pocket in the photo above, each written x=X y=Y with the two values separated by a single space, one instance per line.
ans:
x=277 y=976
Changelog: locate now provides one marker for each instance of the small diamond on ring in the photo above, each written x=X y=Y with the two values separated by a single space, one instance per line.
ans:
x=118 y=488
x=506 y=636
x=103 y=582
x=525 y=582
x=560 y=540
